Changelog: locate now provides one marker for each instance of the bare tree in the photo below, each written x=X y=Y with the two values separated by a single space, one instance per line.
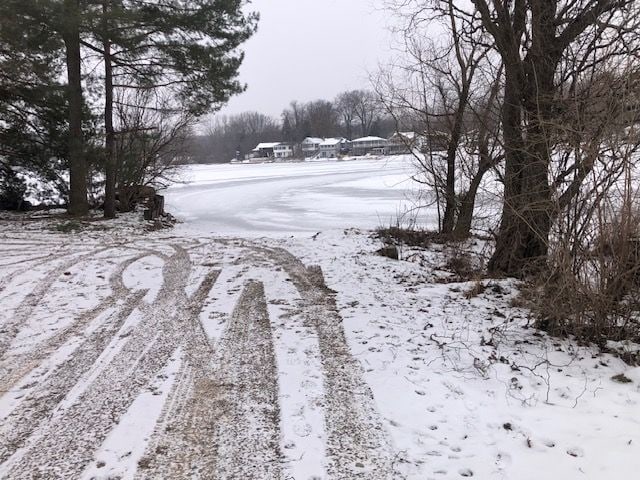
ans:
x=482 y=151
x=359 y=111
x=296 y=122
x=346 y=104
x=535 y=38
x=367 y=110
x=150 y=145
x=594 y=253
x=236 y=135
x=322 y=118
x=437 y=84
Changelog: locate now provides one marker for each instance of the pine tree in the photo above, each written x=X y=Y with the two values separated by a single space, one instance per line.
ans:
x=33 y=108
x=187 y=48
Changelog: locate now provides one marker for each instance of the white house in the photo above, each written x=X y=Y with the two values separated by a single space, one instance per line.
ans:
x=365 y=145
x=264 y=150
x=283 y=150
x=332 y=147
x=311 y=146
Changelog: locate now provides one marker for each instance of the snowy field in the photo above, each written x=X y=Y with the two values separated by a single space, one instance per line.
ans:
x=264 y=338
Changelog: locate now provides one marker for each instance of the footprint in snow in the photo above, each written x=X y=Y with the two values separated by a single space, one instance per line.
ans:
x=465 y=472
x=503 y=459
x=575 y=452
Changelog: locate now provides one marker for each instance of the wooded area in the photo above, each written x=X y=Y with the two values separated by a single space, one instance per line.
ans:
x=541 y=97
x=177 y=59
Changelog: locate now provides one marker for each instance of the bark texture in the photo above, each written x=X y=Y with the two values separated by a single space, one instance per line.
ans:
x=78 y=204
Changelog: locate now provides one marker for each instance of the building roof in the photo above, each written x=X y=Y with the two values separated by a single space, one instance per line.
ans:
x=406 y=137
x=265 y=145
x=313 y=140
x=329 y=142
x=369 y=139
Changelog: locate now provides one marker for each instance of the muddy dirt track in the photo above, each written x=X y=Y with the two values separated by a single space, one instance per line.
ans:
x=89 y=329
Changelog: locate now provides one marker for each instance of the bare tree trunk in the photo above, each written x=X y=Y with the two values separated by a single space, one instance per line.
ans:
x=511 y=242
x=486 y=161
x=78 y=204
x=468 y=201
x=465 y=215
x=523 y=239
x=450 y=209
x=449 y=217
x=110 y=160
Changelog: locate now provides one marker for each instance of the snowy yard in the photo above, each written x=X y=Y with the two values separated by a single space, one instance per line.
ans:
x=264 y=338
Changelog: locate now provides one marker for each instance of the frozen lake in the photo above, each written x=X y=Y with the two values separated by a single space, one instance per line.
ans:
x=277 y=198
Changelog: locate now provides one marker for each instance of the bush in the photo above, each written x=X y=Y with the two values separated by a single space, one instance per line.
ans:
x=592 y=293
x=12 y=190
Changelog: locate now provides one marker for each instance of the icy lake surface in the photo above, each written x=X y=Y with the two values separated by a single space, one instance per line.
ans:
x=294 y=197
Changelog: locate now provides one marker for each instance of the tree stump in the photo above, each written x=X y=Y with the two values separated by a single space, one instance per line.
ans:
x=155 y=207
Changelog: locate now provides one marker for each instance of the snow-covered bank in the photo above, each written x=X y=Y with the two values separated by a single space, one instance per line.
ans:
x=464 y=386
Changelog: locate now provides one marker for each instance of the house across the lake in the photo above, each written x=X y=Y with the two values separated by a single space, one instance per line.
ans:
x=310 y=146
x=264 y=150
x=405 y=142
x=435 y=141
x=332 y=147
x=283 y=150
x=369 y=145
x=316 y=147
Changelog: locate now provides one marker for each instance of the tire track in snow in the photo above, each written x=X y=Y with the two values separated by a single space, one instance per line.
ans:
x=12 y=369
x=64 y=447
x=357 y=445
x=10 y=329
x=229 y=426
x=222 y=417
x=301 y=391
x=177 y=434
x=51 y=256
x=41 y=404
x=248 y=440
x=22 y=259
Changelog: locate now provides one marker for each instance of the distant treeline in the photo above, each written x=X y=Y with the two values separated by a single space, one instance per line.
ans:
x=356 y=113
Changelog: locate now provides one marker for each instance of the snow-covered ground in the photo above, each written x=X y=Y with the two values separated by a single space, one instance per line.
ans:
x=264 y=338
x=463 y=386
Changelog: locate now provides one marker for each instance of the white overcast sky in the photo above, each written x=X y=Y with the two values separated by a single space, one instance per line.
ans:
x=310 y=49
